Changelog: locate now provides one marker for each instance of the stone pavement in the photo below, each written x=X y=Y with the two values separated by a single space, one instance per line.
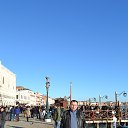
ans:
x=33 y=123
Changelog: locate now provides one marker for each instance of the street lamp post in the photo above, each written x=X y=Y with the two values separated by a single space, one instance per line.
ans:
x=100 y=97
x=117 y=106
x=116 y=95
x=94 y=99
x=47 y=117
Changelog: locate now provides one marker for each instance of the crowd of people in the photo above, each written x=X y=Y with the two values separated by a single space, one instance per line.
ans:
x=12 y=113
x=72 y=117
x=75 y=117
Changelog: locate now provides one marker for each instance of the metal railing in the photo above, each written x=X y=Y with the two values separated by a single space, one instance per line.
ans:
x=94 y=115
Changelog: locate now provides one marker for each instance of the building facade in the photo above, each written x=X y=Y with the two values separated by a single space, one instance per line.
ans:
x=7 y=86
x=25 y=96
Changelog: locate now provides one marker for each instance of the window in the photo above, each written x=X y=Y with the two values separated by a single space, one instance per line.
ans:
x=25 y=97
x=3 y=80
x=16 y=96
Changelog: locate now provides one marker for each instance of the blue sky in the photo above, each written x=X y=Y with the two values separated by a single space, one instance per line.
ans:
x=83 y=41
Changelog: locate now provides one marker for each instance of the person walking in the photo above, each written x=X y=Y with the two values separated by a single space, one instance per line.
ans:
x=12 y=113
x=36 y=112
x=43 y=113
x=3 y=117
x=73 y=118
x=17 y=113
x=57 y=116
x=28 y=113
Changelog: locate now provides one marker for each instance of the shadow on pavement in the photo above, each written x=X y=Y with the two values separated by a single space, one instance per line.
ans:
x=36 y=121
x=14 y=126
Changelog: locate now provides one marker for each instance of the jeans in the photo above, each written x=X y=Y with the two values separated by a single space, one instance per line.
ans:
x=12 y=116
x=2 y=124
x=57 y=124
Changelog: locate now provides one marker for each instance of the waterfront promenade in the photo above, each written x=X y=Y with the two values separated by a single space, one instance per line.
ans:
x=33 y=123
x=94 y=122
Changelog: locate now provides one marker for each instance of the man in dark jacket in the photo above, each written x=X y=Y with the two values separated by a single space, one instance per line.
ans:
x=73 y=118
x=3 y=117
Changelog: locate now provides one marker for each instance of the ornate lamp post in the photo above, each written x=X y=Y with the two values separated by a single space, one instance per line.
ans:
x=100 y=97
x=47 y=117
x=116 y=95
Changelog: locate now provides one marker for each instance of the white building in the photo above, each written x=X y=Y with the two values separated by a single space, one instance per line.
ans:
x=51 y=101
x=7 y=86
x=25 y=96
x=39 y=99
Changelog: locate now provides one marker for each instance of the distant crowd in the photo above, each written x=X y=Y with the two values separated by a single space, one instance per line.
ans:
x=58 y=113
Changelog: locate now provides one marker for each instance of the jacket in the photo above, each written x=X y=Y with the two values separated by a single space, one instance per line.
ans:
x=3 y=116
x=57 y=114
x=66 y=119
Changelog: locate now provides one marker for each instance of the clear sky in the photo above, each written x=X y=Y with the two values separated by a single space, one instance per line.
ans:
x=83 y=41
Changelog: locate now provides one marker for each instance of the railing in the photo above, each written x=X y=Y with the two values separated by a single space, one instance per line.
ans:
x=94 y=115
